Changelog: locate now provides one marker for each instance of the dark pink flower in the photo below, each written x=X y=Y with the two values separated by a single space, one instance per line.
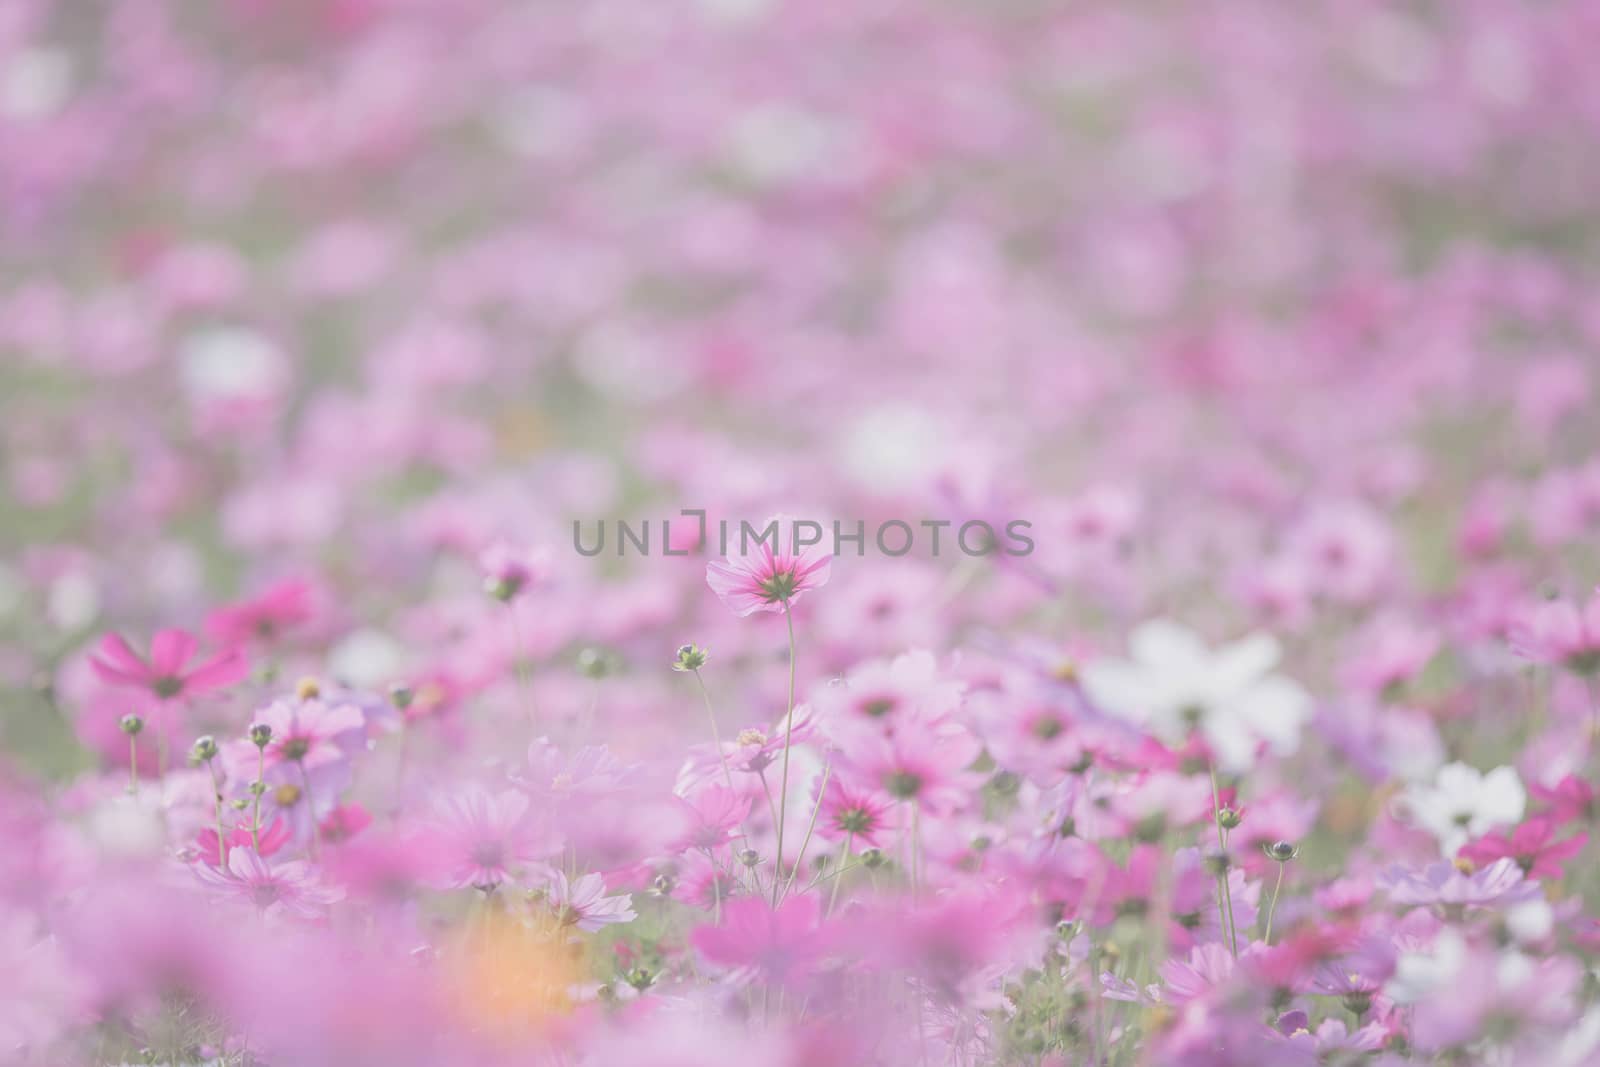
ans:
x=1570 y=800
x=265 y=616
x=168 y=673
x=862 y=815
x=272 y=839
x=345 y=822
x=778 y=946
x=1531 y=844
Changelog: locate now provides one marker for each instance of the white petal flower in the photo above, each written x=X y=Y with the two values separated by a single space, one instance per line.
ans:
x=1463 y=803
x=1172 y=684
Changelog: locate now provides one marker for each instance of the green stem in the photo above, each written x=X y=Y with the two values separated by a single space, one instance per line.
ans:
x=716 y=735
x=788 y=740
x=260 y=787
x=827 y=769
x=1224 y=893
x=311 y=805
x=133 y=763
x=1273 y=907
x=838 y=871
x=222 y=842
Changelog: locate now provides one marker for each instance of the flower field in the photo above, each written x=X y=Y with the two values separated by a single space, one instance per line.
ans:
x=750 y=533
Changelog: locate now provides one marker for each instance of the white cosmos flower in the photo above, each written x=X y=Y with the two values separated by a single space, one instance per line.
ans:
x=1173 y=683
x=1464 y=803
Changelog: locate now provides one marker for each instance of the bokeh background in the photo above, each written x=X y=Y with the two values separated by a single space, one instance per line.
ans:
x=1264 y=314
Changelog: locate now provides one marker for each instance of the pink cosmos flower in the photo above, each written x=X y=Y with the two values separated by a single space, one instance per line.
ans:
x=1570 y=799
x=1562 y=633
x=167 y=674
x=1208 y=965
x=1531 y=845
x=883 y=692
x=344 y=822
x=509 y=572
x=311 y=732
x=778 y=946
x=712 y=815
x=265 y=616
x=766 y=579
x=584 y=903
x=925 y=762
x=482 y=839
x=859 y=814
x=1497 y=885
x=288 y=889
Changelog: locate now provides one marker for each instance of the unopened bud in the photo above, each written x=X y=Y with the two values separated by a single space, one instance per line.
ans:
x=132 y=725
x=690 y=658
x=1282 y=851
x=401 y=695
x=1229 y=819
x=205 y=748
x=261 y=735
x=749 y=857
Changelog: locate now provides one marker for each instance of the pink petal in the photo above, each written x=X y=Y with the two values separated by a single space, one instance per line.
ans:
x=169 y=651
x=115 y=661
x=226 y=669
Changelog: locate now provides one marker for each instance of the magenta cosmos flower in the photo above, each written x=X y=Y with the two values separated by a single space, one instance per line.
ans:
x=1532 y=845
x=265 y=616
x=169 y=672
x=768 y=578
x=778 y=945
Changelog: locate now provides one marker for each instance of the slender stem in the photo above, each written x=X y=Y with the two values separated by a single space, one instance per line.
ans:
x=311 y=805
x=716 y=888
x=518 y=666
x=838 y=871
x=1273 y=907
x=827 y=769
x=133 y=763
x=260 y=787
x=716 y=735
x=222 y=842
x=788 y=741
x=1224 y=894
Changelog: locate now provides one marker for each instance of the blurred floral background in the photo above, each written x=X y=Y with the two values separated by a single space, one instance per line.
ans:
x=322 y=322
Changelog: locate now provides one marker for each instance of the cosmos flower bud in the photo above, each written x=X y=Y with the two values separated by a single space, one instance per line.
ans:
x=749 y=857
x=261 y=735
x=1282 y=851
x=1217 y=864
x=594 y=663
x=690 y=658
x=132 y=725
x=401 y=695
x=873 y=858
x=205 y=748
x=308 y=688
x=1229 y=819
